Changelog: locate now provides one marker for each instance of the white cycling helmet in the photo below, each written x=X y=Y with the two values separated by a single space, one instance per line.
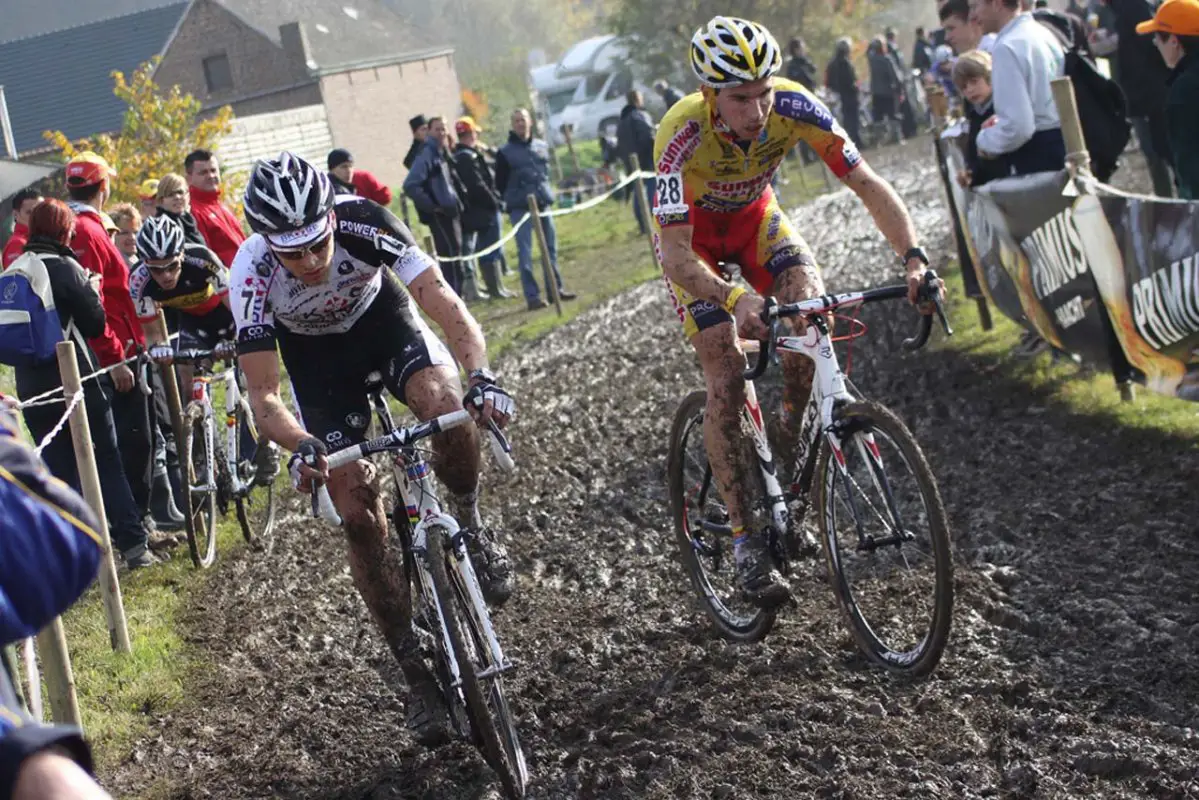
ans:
x=730 y=51
x=160 y=239
x=288 y=200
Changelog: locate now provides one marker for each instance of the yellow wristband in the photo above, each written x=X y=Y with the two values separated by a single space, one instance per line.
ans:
x=730 y=302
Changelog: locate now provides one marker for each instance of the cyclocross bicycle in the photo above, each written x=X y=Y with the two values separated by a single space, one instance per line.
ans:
x=448 y=601
x=878 y=510
x=214 y=478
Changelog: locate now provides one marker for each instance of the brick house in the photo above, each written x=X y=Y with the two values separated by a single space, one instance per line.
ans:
x=304 y=74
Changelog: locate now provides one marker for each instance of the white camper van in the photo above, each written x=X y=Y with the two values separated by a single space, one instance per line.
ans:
x=551 y=95
x=604 y=74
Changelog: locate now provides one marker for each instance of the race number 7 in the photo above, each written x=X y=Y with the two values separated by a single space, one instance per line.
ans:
x=247 y=295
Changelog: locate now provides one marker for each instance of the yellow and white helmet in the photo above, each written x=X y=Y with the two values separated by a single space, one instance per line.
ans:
x=729 y=51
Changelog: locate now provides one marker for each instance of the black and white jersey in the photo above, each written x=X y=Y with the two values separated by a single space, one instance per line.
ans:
x=367 y=238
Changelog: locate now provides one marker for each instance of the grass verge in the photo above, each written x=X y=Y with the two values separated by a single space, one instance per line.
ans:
x=118 y=693
x=1082 y=391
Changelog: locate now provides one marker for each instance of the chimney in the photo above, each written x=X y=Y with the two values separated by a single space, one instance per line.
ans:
x=295 y=44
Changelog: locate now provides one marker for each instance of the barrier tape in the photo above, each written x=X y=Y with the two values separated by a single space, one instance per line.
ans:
x=52 y=396
x=555 y=212
x=62 y=422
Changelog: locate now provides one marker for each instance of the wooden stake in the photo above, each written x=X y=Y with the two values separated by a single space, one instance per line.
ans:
x=89 y=480
x=170 y=383
x=551 y=285
x=60 y=680
x=1077 y=157
x=574 y=157
x=645 y=210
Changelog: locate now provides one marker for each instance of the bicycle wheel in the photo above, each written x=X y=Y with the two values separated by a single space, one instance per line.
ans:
x=490 y=717
x=702 y=529
x=886 y=539
x=256 y=507
x=200 y=505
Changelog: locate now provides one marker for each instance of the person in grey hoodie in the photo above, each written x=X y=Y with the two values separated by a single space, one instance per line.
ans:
x=522 y=168
x=436 y=192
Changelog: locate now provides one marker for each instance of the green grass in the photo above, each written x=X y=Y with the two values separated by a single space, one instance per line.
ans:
x=1082 y=391
x=118 y=693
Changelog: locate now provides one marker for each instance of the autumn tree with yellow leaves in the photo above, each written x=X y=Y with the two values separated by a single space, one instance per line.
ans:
x=159 y=129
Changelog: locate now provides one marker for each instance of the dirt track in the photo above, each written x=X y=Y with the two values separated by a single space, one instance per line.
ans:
x=1073 y=668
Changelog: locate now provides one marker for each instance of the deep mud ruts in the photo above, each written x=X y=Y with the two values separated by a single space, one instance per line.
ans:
x=1072 y=670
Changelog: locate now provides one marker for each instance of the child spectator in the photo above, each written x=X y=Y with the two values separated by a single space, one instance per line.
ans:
x=972 y=77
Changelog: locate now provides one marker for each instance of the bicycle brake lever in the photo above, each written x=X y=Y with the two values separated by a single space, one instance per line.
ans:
x=322 y=505
x=501 y=448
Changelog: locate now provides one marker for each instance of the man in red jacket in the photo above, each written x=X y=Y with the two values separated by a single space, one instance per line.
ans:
x=219 y=227
x=22 y=203
x=348 y=180
x=88 y=186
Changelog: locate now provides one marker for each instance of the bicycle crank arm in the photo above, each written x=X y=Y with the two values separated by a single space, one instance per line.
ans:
x=497 y=670
x=872 y=543
x=716 y=527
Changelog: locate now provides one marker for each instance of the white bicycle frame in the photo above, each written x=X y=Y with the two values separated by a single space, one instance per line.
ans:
x=414 y=482
x=828 y=387
x=202 y=395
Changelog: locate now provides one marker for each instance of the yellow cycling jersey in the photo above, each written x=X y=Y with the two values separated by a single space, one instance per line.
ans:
x=701 y=167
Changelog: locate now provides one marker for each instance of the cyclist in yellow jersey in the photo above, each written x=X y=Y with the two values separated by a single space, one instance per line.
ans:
x=715 y=153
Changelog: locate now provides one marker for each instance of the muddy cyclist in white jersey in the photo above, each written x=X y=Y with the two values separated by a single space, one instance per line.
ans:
x=323 y=279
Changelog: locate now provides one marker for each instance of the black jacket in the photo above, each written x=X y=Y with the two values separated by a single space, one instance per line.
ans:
x=191 y=231
x=842 y=79
x=982 y=170
x=884 y=80
x=413 y=151
x=922 y=55
x=635 y=137
x=802 y=70
x=1143 y=73
x=480 y=196
x=79 y=311
x=340 y=186
x=1182 y=117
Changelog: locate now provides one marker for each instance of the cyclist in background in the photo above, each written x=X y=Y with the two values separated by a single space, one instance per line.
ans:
x=191 y=279
x=716 y=152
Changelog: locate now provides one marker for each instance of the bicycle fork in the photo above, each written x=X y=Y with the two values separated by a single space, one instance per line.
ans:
x=424 y=513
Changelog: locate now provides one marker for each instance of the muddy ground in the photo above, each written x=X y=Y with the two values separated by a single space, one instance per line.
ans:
x=1072 y=671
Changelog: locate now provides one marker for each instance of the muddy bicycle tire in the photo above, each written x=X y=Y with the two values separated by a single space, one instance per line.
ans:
x=199 y=512
x=688 y=421
x=256 y=509
x=494 y=732
x=866 y=416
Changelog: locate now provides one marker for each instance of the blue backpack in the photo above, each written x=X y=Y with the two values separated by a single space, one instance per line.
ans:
x=29 y=324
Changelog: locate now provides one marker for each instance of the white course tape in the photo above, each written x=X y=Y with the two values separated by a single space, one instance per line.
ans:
x=54 y=395
x=557 y=212
x=62 y=422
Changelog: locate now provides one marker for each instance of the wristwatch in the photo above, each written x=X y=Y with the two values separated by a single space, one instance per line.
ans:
x=915 y=252
x=483 y=375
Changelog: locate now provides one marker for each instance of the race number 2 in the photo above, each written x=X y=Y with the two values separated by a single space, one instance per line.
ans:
x=668 y=194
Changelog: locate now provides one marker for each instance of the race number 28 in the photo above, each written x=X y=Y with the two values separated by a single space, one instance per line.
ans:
x=669 y=193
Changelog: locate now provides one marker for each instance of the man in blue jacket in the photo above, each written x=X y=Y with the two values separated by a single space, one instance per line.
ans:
x=522 y=168
x=49 y=554
x=437 y=194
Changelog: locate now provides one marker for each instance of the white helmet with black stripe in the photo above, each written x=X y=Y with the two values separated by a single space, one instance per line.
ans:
x=160 y=239
x=288 y=200
x=730 y=51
